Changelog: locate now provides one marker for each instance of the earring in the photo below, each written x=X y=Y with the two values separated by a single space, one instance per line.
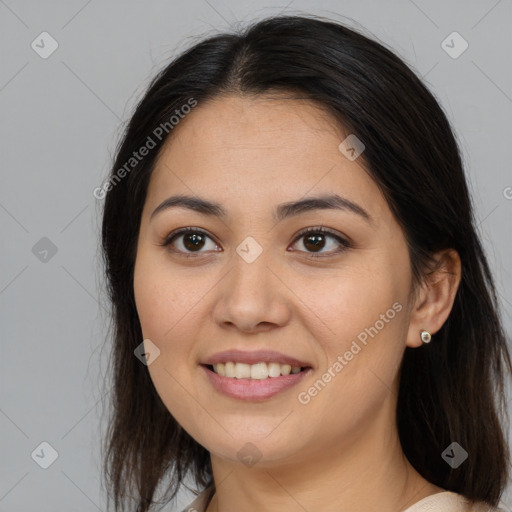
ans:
x=425 y=336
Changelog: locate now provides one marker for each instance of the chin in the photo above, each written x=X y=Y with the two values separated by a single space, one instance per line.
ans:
x=254 y=448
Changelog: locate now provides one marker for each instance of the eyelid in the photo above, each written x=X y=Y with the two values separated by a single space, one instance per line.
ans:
x=322 y=229
x=344 y=242
x=167 y=241
x=171 y=236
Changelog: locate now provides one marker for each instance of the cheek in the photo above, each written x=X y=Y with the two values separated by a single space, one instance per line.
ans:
x=162 y=298
x=361 y=358
x=169 y=309
x=360 y=325
x=359 y=305
x=354 y=299
x=166 y=314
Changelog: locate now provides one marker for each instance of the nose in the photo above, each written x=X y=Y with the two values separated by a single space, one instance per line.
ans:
x=252 y=297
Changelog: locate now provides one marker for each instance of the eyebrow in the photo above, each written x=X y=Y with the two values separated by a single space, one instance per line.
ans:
x=282 y=211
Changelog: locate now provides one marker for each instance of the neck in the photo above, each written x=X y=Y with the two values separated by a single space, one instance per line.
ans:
x=368 y=472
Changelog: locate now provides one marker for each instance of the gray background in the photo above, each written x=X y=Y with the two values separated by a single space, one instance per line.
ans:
x=61 y=119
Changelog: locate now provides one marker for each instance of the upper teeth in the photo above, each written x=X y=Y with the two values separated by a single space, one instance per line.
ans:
x=254 y=371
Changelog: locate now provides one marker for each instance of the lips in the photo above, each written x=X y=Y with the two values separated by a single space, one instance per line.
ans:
x=254 y=357
x=253 y=390
x=260 y=385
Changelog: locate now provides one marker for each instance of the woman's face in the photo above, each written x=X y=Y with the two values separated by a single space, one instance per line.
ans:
x=252 y=284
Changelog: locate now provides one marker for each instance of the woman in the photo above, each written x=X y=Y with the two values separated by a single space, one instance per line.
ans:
x=303 y=314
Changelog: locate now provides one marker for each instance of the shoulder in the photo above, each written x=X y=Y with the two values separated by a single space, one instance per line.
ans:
x=448 y=501
x=441 y=502
x=201 y=501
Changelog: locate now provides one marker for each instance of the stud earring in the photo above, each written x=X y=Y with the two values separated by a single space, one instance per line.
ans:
x=425 y=336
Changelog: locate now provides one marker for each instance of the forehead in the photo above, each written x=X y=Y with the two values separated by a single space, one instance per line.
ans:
x=261 y=123
x=259 y=149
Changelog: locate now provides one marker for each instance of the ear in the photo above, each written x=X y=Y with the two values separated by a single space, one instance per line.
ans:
x=435 y=296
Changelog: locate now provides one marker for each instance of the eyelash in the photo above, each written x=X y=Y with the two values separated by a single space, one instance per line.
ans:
x=344 y=243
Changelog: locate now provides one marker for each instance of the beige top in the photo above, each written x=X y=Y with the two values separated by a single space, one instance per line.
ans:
x=441 y=502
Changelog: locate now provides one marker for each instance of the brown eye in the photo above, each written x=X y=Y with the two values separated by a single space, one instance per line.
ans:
x=315 y=242
x=316 y=239
x=188 y=241
x=193 y=241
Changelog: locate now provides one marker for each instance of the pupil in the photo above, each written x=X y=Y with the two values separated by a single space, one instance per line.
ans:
x=316 y=241
x=196 y=239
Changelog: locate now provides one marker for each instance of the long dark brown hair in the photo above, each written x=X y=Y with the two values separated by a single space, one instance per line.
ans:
x=451 y=390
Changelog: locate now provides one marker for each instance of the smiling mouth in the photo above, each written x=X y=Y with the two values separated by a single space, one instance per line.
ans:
x=258 y=371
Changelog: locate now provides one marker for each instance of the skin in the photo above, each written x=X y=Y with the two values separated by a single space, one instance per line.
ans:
x=341 y=450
